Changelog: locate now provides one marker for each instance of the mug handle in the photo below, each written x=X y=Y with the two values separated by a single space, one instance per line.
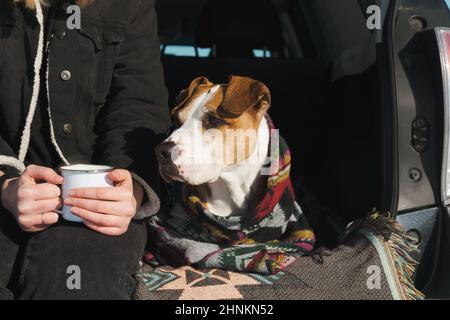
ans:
x=61 y=197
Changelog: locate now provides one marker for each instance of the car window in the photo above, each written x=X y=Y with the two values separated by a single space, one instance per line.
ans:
x=185 y=51
x=192 y=51
x=213 y=29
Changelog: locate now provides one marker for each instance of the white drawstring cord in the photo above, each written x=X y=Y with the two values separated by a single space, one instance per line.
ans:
x=25 y=140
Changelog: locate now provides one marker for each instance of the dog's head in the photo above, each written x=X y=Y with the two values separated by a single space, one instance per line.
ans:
x=217 y=128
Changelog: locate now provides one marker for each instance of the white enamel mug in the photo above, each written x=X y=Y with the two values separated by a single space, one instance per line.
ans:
x=82 y=176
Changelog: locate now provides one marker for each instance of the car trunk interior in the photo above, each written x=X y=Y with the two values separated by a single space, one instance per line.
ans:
x=332 y=125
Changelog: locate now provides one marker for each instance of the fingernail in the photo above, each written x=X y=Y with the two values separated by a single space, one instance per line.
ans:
x=71 y=193
x=68 y=202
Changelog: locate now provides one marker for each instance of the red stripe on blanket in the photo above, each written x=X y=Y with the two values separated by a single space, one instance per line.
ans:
x=272 y=198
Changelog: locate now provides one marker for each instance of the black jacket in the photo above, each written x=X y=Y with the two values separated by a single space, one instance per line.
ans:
x=107 y=99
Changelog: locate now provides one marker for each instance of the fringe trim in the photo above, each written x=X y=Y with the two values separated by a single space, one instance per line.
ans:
x=401 y=247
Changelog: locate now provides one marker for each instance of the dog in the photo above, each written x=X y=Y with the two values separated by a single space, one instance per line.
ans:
x=237 y=208
x=226 y=177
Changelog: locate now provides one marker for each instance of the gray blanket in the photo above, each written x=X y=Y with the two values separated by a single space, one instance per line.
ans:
x=374 y=263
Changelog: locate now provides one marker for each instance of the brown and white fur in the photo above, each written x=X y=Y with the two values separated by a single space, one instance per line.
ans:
x=226 y=173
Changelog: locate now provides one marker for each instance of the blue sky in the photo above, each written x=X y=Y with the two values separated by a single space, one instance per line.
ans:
x=448 y=3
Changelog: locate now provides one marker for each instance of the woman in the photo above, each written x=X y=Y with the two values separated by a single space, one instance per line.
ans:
x=88 y=95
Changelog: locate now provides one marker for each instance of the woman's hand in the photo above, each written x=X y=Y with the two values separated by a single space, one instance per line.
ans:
x=33 y=204
x=108 y=210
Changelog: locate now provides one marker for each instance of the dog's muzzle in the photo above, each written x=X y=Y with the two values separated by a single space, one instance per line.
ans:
x=166 y=153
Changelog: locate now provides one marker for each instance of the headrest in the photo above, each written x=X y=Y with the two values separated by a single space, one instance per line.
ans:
x=239 y=25
x=177 y=19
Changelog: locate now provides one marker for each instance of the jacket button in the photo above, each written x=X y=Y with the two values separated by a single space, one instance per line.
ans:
x=66 y=75
x=67 y=128
x=61 y=34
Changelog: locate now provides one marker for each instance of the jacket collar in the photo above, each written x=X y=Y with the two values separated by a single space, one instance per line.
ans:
x=7 y=14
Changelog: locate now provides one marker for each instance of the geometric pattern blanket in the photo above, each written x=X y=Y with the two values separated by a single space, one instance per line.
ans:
x=264 y=240
x=373 y=263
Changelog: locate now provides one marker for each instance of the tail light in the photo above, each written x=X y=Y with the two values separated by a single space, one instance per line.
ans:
x=443 y=37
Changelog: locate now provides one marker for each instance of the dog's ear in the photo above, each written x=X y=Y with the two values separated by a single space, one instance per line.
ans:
x=244 y=94
x=187 y=93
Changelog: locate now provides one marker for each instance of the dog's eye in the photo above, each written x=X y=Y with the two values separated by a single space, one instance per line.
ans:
x=213 y=122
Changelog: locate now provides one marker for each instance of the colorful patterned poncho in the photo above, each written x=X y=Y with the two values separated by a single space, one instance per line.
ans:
x=264 y=240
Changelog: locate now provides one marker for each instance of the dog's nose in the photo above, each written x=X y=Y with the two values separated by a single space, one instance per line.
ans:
x=165 y=150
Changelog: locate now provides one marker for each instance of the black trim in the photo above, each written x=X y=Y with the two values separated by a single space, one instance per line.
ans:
x=389 y=201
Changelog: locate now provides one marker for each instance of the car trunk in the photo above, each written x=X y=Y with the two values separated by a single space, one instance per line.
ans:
x=330 y=117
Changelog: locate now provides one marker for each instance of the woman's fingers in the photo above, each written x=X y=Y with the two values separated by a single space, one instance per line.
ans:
x=50 y=205
x=101 y=220
x=34 y=173
x=105 y=210
x=42 y=191
x=106 y=207
x=38 y=207
x=49 y=218
x=38 y=222
x=108 y=194
x=106 y=224
x=122 y=178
